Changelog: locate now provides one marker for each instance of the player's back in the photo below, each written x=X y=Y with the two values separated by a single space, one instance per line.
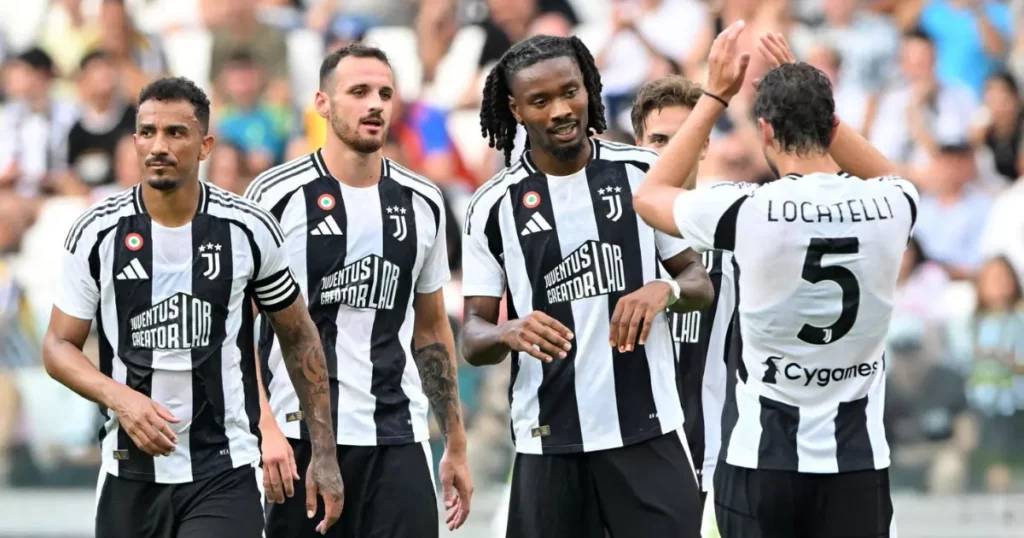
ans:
x=816 y=259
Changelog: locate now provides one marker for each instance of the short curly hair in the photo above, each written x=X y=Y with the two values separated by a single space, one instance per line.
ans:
x=673 y=90
x=179 y=89
x=796 y=100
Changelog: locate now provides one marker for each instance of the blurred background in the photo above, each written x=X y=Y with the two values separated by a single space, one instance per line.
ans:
x=932 y=83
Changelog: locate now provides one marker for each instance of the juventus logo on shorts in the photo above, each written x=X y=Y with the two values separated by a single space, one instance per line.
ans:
x=612 y=195
x=397 y=214
x=211 y=253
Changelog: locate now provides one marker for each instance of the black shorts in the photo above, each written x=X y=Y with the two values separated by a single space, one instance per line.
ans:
x=389 y=491
x=642 y=490
x=227 y=504
x=752 y=503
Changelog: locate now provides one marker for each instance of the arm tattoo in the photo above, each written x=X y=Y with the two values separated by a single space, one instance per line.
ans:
x=437 y=371
x=307 y=368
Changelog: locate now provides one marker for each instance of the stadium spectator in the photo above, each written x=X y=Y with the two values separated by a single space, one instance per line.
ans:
x=229 y=168
x=1000 y=124
x=852 y=99
x=246 y=118
x=235 y=25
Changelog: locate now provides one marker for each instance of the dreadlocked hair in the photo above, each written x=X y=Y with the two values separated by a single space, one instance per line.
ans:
x=497 y=124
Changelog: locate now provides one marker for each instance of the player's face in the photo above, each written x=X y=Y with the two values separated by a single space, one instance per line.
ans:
x=169 y=143
x=360 y=107
x=550 y=99
x=659 y=127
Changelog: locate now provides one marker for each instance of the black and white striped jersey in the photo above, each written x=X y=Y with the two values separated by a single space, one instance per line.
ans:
x=703 y=339
x=816 y=259
x=571 y=247
x=360 y=255
x=174 y=315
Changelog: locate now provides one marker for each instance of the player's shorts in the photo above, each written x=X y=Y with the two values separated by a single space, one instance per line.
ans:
x=389 y=491
x=227 y=504
x=646 y=489
x=751 y=503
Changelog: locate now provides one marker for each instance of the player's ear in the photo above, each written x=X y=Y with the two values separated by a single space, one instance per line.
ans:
x=515 y=110
x=835 y=129
x=322 y=102
x=767 y=133
x=206 y=147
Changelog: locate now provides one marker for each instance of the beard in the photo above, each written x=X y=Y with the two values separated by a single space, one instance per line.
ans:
x=351 y=138
x=163 y=183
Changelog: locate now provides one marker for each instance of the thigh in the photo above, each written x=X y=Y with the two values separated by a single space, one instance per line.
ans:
x=552 y=496
x=228 y=504
x=648 y=489
x=854 y=505
x=398 y=480
x=752 y=503
x=133 y=509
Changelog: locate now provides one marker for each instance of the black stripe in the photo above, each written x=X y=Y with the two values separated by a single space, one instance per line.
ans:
x=725 y=231
x=394 y=167
x=559 y=407
x=510 y=313
x=853 y=443
x=249 y=379
x=779 y=426
x=276 y=175
x=735 y=370
x=72 y=242
x=913 y=210
x=392 y=415
x=133 y=297
x=620 y=241
x=116 y=200
x=325 y=254
x=266 y=336
x=492 y=231
x=140 y=203
x=243 y=205
x=208 y=442
x=106 y=350
x=204 y=196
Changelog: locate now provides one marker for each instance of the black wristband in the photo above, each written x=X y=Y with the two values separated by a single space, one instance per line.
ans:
x=717 y=98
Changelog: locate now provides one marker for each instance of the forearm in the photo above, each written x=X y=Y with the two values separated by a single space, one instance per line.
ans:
x=696 y=292
x=481 y=342
x=307 y=368
x=267 y=419
x=436 y=362
x=857 y=156
x=70 y=367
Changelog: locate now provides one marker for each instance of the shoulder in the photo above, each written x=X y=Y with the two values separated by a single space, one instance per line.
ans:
x=280 y=181
x=244 y=212
x=414 y=182
x=896 y=182
x=100 y=216
x=642 y=158
x=492 y=191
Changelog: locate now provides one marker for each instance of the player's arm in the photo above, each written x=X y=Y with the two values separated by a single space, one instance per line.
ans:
x=696 y=291
x=279 y=468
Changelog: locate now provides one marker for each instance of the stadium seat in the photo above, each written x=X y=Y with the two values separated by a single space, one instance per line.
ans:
x=305 y=52
x=399 y=43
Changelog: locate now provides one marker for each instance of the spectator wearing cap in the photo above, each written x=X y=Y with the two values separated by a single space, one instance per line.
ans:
x=34 y=128
x=247 y=119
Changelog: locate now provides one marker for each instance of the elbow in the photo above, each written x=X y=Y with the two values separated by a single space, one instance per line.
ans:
x=706 y=294
x=50 y=362
x=642 y=203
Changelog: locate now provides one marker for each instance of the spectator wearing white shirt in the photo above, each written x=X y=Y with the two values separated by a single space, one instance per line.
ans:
x=1004 y=229
x=851 y=99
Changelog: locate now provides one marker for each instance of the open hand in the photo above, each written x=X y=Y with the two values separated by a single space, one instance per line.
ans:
x=146 y=422
x=726 y=66
x=279 y=470
x=457 y=488
x=539 y=335
x=635 y=313
x=324 y=478
x=775 y=50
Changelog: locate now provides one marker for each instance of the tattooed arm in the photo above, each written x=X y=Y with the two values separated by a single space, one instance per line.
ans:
x=434 y=355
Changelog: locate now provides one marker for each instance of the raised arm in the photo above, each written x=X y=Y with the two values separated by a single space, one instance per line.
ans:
x=696 y=291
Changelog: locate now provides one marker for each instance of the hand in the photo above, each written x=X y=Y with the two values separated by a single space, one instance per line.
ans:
x=455 y=475
x=643 y=305
x=146 y=422
x=538 y=334
x=279 y=470
x=324 y=477
x=726 y=68
x=775 y=50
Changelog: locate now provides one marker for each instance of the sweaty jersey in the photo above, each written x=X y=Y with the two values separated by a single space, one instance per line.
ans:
x=571 y=247
x=816 y=258
x=360 y=256
x=173 y=313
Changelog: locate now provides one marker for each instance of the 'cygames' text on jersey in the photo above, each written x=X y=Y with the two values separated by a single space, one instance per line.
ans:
x=816 y=259
x=571 y=247
x=174 y=315
x=360 y=255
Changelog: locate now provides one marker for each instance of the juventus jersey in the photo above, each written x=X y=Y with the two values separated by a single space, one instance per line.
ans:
x=703 y=339
x=816 y=258
x=571 y=247
x=360 y=255
x=173 y=312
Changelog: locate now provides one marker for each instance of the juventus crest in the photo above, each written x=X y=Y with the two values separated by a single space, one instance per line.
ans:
x=397 y=215
x=211 y=255
x=613 y=196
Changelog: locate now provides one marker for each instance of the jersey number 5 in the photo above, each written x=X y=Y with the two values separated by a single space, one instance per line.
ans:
x=814 y=273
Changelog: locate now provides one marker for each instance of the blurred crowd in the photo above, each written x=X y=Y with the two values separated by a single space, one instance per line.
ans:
x=932 y=83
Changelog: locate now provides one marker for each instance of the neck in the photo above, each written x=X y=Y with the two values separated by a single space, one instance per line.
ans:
x=548 y=164
x=351 y=167
x=39 y=102
x=175 y=207
x=102 y=105
x=790 y=163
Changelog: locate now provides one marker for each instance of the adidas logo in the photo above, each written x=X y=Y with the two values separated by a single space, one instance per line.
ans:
x=133 y=271
x=536 y=224
x=328 y=226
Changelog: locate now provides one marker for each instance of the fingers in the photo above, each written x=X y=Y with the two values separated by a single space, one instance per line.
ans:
x=310 y=497
x=284 y=472
x=165 y=414
x=771 y=50
x=742 y=63
x=622 y=341
x=291 y=464
x=272 y=483
x=464 y=489
x=150 y=440
x=634 y=327
x=732 y=35
x=332 y=511
x=648 y=323
x=160 y=436
x=613 y=323
x=536 y=347
x=550 y=335
x=553 y=323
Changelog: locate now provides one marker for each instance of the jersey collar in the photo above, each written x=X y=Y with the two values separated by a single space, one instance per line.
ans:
x=321 y=165
x=204 y=199
x=531 y=167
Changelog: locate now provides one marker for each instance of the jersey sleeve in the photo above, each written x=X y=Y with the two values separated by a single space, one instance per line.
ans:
x=909 y=192
x=274 y=286
x=77 y=293
x=706 y=216
x=669 y=246
x=435 y=272
x=482 y=272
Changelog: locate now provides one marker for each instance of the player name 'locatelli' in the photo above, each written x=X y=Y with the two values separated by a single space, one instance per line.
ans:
x=858 y=210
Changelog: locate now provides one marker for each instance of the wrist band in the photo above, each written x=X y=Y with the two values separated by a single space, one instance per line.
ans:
x=717 y=98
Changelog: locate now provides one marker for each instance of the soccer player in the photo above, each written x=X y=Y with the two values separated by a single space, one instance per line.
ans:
x=659 y=110
x=366 y=238
x=168 y=269
x=817 y=253
x=596 y=416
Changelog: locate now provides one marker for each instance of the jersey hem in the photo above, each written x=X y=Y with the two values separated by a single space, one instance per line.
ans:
x=380 y=441
x=582 y=448
x=481 y=291
x=151 y=478
x=854 y=469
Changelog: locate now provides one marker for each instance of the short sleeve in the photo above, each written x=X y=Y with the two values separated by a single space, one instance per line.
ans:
x=482 y=273
x=669 y=246
x=77 y=291
x=705 y=215
x=909 y=192
x=435 y=272
x=274 y=285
